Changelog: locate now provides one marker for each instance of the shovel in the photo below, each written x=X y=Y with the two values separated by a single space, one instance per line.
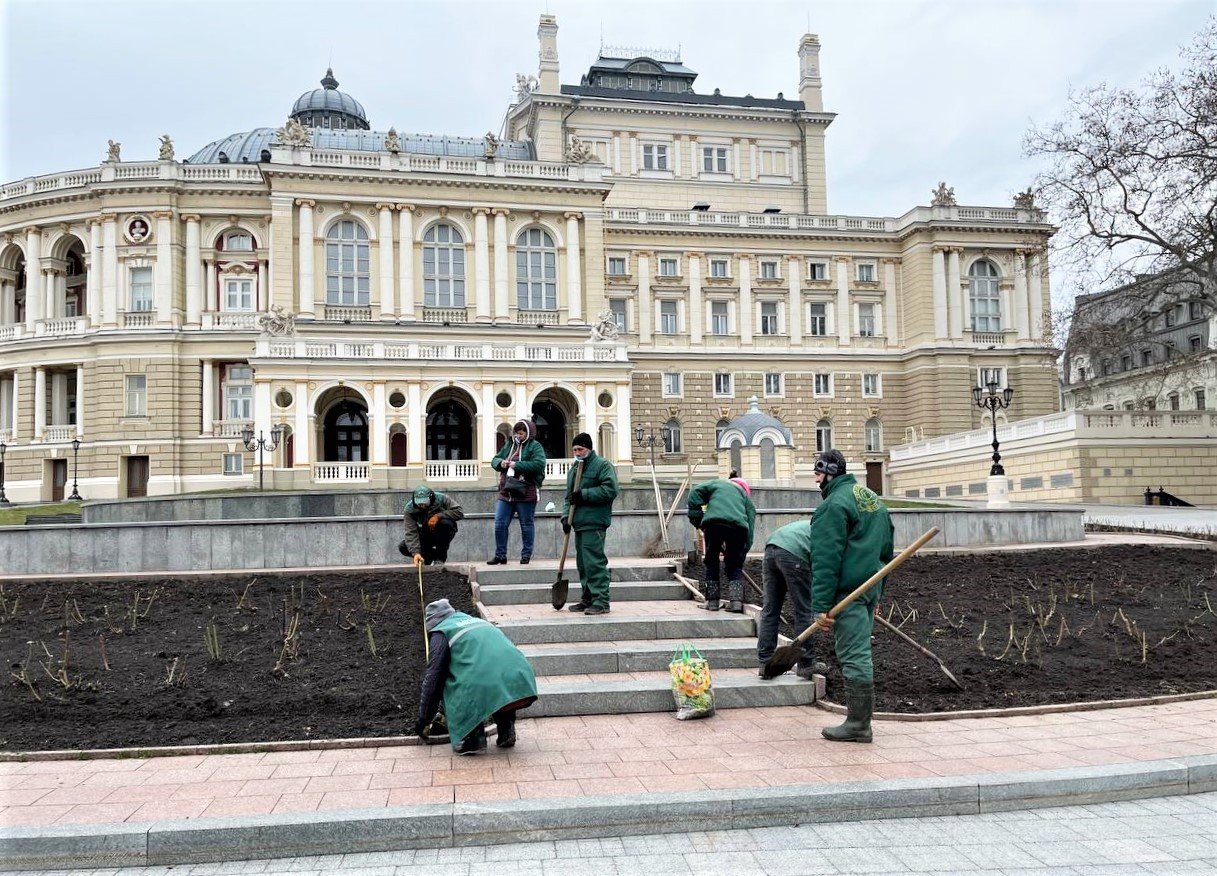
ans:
x=557 y=593
x=786 y=657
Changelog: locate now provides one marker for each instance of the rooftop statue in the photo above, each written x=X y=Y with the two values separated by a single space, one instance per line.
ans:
x=392 y=141
x=580 y=152
x=113 y=152
x=166 y=152
x=944 y=196
x=294 y=134
x=605 y=327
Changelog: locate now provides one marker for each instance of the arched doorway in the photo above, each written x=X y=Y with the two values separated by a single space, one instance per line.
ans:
x=346 y=432
x=555 y=412
x=397 y=445
x=450 y=426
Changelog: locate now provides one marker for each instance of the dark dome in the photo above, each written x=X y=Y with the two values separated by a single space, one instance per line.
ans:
x=327 y=104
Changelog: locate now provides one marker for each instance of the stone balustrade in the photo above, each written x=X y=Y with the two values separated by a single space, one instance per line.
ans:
x=302 y=348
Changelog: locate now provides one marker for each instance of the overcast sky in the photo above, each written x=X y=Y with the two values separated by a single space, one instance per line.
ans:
x=924 y=91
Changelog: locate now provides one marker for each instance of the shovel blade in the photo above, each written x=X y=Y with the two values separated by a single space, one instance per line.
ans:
x=557 y=594
x=783 y=660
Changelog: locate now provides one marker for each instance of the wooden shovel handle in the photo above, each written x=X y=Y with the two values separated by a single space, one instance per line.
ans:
x=870 y=582
x=570 y=520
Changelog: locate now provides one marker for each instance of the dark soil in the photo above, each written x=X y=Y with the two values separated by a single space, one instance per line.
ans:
x=1081 y=625
x=164 y=688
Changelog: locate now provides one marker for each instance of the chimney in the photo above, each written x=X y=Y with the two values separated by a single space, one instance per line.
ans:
x=809 y=73
x=547 y=37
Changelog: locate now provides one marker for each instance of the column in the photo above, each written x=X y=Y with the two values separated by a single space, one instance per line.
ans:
x=8 y=302
x=380 y=416
x=590 y=424
x=745 y=299
x=1035 y=292
x=194 y=273
x=33 y=277
x=50 y=286
x=481 y=263
x=486 y=424
x=697 y=317
x=522 y=411
x=262 y=298
x=889 y=301
x=303 y=433
x=844 y=324
x=306 y=258
x=954 y=298
x=93 y=274
x=262 y=421
x=405 y=263
x=383 y=306
x=794 y=301
x=109 y=269
x=416 y=419
x=646 y=316
x=939 y=281
x=13 y=418
x=625 y=433
x=1020 y=322
x=162 y=290
x=80 y=401
x=39 y=403
x=209 y=284
x=574 y=273
x=209 y=398
x=501 y=306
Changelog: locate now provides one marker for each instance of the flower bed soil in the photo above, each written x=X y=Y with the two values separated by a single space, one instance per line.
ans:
x=164 y=688
x=1058 y=626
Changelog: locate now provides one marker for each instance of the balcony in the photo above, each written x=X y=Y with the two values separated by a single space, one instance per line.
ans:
x=340 y=472
x=232 y=320
x=138 y=319
x=988 y=339
x=131 y=170
x=11 y=332
x=230 y=428
x=347 y=313
x=453 y=470
x=301 y=348
x=445 y=315
x=537 y=317
x=557 y=468
x=59 y=433
x=67 y=325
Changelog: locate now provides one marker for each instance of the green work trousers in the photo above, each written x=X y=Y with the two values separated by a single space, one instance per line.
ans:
x=852 y=633
x=593 y=566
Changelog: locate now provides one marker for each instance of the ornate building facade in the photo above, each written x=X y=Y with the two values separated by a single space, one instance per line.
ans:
x=630 y=251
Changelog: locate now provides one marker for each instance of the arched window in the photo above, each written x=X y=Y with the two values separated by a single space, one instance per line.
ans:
x=347 y=275
x=984 y=297
x=443 y=267
x=608 y=444
x=874 y=436
x=768 y=459
x=823 y=435
x=449 y=431
x=536 y=270
x=671 y=436
x=719 y=428
x=238 y=241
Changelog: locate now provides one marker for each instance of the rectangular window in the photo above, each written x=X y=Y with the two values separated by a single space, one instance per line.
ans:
x=1193 y=343
x=1106 y=367
x=773 y=383
x=817 y=270
x=137 y=395
x=714 y=159
x=1200 y=400
x=617 y=306
x=654 y=156
x=671 y=383
x=773 y=162
x=870 y=384
x=769 y=317
x=718 y=318
x=769 y=270
x=866 y=272
x=616 y=266
x=234 y=463
x=823 y=384
x=1194 y=310
x=1174 y=401
x=667 y=318
x=6 y=406
x=992 y=375
x=718 y=269
x=722 y=384
x=239 y=295
x=819 y=320
x=141 y=289
x=239 y=393
x=1126 y=363
x=866 y=320
x=1147 y=357
x=669 y=267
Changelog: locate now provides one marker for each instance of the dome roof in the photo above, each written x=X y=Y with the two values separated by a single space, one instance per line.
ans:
x=247 y=146
x=751 y=423
x=328 y=99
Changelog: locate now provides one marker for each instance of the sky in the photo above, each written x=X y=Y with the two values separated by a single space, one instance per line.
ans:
x=925 y=90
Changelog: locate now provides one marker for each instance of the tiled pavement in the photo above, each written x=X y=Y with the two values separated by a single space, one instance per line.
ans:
x=595 y=756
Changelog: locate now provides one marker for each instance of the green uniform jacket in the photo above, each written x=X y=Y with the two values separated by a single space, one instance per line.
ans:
x=794 y=538
x=529 y=465
x=599 y=489
x=414 y=517
x=851 y=539
x=485 y=673
x=722 y=502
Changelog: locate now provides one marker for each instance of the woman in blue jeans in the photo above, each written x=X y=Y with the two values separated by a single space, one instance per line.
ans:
x=520 y=466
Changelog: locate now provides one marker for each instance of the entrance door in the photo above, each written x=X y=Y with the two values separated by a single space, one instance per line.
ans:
x=397 y=449
x=346 y=434
x=59 y=477
x=551 y=428
x=874 y=477
x=137 y=476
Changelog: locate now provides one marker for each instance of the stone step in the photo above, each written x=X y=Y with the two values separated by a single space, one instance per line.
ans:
x=625 y=591
x=546 y=571
x=584 y=658
x=652 y=692
x=541 y=625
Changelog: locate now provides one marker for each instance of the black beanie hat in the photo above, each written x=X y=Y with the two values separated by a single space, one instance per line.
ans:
x=583 y=440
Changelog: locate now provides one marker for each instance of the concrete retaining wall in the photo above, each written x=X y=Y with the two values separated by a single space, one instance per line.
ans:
x=342 y=541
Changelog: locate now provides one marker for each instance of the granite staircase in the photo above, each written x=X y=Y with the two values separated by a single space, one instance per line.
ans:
x=618 y=663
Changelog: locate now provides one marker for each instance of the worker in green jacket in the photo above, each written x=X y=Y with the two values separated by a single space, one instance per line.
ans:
x=723 y=511
x=478 y=673
x=593 y=504
x=851 y=539
x=785 y=569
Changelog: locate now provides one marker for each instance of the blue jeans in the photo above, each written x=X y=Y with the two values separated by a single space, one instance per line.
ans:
x=503 y=512
x=784 y=573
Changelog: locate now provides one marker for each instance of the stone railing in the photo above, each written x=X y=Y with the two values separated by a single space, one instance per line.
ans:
x=66 y=325
x=168 y=171
x=442 y=315
x=347 y=313
x=336 y=472
x=557 y=467
x=230 y=428
x=301 y=348
x=12 y=331
x=138 y=319
x=59 y=433
x=453 y=470
x=231 y=320
x=988 y=338
x=405 y=162
x=536 y=317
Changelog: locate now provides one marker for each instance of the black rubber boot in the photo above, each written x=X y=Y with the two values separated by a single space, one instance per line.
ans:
x=474 y=743
x=860 y=702
x=505 y=722
x=710 y=589
x=735 y=592
x=808 y=668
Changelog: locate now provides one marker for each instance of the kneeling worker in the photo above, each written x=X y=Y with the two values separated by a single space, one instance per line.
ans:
x=430 y=522
x=478 y=673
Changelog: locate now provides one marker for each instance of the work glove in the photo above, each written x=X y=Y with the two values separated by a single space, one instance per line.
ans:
x=575 y=497
x=418 y=559
x=565 y=527
x=432 y=521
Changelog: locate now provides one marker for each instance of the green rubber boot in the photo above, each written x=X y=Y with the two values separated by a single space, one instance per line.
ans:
x=860 y=701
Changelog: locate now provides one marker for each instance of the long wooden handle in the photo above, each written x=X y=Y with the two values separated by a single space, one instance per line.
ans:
x=870 y=582
x=899 y=632
x=570 y=521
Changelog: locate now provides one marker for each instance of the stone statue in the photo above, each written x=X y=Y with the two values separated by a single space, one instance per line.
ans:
x=944 y=196
x=277 y=323
x=605 y=327
x=294 y=134
x=492 y=145
x=113 y=152
x=525 y=85
x=580 y=152
x=1025 y=200
x=166 y=153
x=392 y=141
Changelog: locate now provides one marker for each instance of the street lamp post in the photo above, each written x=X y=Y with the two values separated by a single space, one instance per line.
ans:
x=3 y=498
x=262 y=445
x=75 y=469
x=650 y=439
x=991 y=398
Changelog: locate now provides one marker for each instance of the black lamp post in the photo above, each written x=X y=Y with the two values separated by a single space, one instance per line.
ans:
x=650 y=439
x=261 y=445
x=3 y=498
x=75 y=469
x=990 y=398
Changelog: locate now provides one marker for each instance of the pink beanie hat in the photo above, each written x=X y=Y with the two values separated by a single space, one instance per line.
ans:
x=743 y=485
